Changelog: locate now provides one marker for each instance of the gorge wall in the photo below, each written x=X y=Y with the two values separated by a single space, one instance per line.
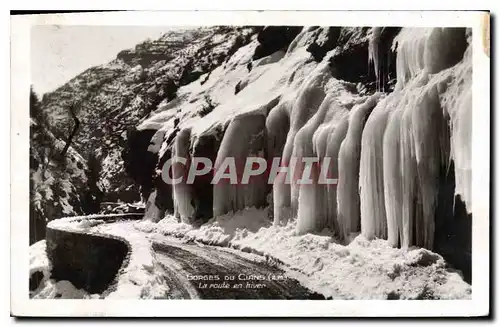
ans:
x=389 y=108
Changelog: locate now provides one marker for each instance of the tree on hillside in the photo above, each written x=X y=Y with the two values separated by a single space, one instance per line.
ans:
x=36 y=111
x=72 y=110
x=41 y=144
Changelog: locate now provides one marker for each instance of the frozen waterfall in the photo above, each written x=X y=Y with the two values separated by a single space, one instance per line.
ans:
x=387 y=151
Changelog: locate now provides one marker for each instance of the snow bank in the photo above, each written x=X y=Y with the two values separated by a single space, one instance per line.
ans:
x=218 y=231
x=143 y=277
x=38 y=259
x=361 y=270
x=62 y=289
x=85 y=223
x=45 y=287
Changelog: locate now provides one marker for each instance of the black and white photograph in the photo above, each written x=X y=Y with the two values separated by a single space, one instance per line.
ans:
x=258 y=161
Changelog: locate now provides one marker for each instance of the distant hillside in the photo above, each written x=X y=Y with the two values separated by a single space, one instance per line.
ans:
x=112 y=98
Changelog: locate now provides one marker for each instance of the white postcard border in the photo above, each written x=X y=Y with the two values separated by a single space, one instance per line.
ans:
x=21 y=305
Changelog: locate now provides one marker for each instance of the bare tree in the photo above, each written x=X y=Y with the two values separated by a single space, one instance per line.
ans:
x=73 y=132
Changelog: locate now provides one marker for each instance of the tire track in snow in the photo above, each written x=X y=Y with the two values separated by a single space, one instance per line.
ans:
x=184 y=260
x=180 y=286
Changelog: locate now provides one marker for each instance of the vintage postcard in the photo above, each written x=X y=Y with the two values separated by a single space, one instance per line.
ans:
x=315 y=163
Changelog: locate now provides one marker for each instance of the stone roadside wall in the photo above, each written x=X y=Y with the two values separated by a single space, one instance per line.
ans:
x=89 y=261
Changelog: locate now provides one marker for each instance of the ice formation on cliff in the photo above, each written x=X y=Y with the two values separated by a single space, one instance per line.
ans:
x=182 y=192
x=348 y=167
x=311 y=213
x=388 y=151
x=373 y=52
x=299 y=111
x=247 y=129
x=371 y=178
x=334 y=141
x=406 y=140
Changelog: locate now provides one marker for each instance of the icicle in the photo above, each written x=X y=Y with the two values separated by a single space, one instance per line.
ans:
x=393 y=178
x=416 y=138
x=410 y=43
x=373 y=52
x=348 y=167
x=408 y=175
x=245 y=137
x=307 y=102
x=311 y=213
x=462 y=148
x=457 y=103
x=277 y=127
x=152 y=212
x=429 y=49
x=320 y=142
x=426 y=124
x=335 y=140
x=371 y=175
x=183 y=205
x=281 y=200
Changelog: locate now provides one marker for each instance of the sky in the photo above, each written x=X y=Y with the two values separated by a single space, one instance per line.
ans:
x=59 y=53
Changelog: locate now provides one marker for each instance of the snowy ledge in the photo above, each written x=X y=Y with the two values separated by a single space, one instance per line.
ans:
x=360 y=270
x=137 y=277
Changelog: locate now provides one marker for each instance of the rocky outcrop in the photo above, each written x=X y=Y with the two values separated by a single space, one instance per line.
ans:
x=364 y=55
x=325 y=41
x=274 y=38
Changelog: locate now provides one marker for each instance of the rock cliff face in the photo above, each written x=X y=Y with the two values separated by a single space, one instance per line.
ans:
x=376 y=100
x=389 y=107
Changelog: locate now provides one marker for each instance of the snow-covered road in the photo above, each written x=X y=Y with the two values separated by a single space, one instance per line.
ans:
x=207 y=272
